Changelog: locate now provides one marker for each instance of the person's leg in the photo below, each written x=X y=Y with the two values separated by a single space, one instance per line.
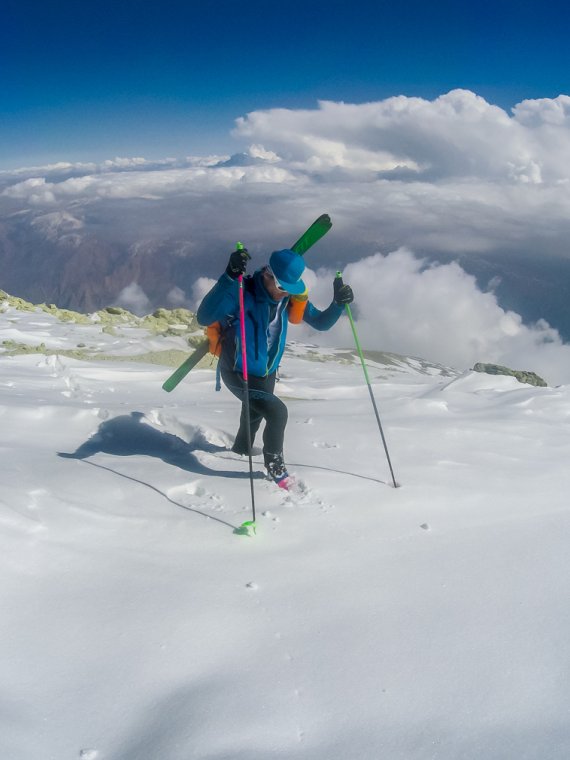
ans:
x=240 y=443
x=275 y=414
x=263 y=405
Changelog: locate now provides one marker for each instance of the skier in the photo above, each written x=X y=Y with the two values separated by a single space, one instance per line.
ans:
x=273 y=296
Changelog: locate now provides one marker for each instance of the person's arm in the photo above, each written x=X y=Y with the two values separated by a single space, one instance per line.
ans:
x=223 y=298
x=324 y=320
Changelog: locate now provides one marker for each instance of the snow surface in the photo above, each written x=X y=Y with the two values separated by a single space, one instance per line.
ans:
x=362 y=622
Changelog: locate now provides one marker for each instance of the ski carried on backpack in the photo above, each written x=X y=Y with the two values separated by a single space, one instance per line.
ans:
x=188 y=364
x=312 y=235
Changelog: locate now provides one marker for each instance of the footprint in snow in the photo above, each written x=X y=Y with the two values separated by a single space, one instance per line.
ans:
x=194 y=494
x=325 y=445
x=74 y=389
x=195 y=489
x=270 y=516
x=300 y=495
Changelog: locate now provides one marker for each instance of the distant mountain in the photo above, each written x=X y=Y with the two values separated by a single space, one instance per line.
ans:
x=53 y=258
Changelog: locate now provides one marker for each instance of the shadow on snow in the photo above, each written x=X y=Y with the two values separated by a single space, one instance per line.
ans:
x=128 y=435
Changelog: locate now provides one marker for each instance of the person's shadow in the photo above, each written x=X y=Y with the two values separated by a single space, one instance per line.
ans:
x=129 y=435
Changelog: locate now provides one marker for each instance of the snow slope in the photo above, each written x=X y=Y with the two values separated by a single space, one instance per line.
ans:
x=361 y=622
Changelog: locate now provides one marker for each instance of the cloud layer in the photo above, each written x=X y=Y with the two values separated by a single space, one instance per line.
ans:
x=438 y=311
x=459 y=135
x=407 y=181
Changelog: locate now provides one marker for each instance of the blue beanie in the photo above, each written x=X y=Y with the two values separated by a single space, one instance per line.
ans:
x=288 y=266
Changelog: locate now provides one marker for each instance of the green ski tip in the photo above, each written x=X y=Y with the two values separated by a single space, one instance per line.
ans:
x=313 y=234
x=248 y=528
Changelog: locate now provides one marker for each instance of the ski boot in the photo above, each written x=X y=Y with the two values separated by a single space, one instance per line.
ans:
x=276 y=469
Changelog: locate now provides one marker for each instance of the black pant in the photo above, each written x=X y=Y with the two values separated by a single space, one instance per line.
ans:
x=263 y=405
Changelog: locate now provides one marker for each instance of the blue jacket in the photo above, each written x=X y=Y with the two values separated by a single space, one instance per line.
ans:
x=221 y=304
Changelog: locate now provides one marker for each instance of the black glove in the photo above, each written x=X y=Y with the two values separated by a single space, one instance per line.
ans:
x=342 y=293
x=237 y=263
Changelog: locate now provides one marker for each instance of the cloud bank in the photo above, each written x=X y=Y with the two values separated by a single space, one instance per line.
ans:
x=438 y=311
x=411 y=185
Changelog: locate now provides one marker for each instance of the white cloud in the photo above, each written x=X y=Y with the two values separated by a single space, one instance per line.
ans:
x=406 y=305
x=125 y=163
x=133 y=298
x=176 y=298
x=199 y=290
x=458 y=134
x=34 y=190
x=61 y=167
x=447 y=136
x=156 y=184
x=258 y=151
x=544 y=111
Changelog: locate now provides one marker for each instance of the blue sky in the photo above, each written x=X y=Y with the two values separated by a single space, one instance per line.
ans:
x=85 y=81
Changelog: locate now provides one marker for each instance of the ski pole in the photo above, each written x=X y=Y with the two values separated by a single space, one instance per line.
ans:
x=248 y=525
x=361 y=355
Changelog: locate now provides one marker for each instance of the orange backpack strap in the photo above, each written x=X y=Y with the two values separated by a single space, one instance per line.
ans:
x=296 y=307
x=214 y=335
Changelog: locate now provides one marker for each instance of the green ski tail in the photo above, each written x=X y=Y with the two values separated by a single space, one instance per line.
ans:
x=316 y=231
x=179 y=374
x=312 y=235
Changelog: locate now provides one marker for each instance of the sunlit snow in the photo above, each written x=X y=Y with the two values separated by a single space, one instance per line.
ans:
x=361 y=622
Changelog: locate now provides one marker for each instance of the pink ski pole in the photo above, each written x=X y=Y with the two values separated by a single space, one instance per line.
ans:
x=249 y=524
